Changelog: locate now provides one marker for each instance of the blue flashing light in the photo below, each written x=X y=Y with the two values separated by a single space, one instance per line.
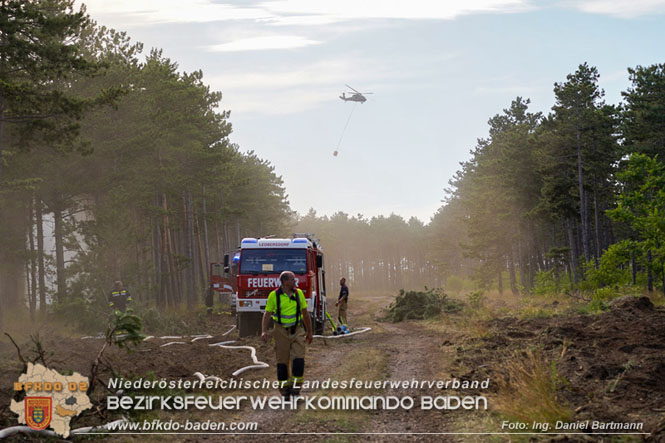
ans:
x=249 y=240
x=299 y=240
x=236 y=257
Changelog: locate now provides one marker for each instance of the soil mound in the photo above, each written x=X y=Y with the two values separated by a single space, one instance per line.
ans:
x=629 y=303
x=614 y=363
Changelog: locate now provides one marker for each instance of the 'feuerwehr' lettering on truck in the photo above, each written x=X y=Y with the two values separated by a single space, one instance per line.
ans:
x=264 y=282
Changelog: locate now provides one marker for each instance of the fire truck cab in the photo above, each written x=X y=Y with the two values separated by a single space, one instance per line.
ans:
x=260 y=263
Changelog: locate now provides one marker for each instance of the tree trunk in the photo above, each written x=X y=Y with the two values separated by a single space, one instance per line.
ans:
x=649 y=272
x=596 y=216
x=227 y=237
x=40 y=257
x=177 y=250
x=2 y=123
x=580 y=180
x=511 y=273
x=172 y=293
x=522 y=262
x=203 y=274
x=500 y=282
x=573 y=250
x=189 y=243
x=59 y=252
x=218 y=246
x=205 y=238
x=157 y=259
x=33 y=261
x=29 y=287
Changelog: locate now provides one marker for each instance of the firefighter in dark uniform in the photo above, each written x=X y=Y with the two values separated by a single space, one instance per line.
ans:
x=119 y=298
x=342 y=301
x=287 y=307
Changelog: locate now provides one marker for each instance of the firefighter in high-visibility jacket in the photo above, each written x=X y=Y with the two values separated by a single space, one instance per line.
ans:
x=119 y=297
x=287 y=307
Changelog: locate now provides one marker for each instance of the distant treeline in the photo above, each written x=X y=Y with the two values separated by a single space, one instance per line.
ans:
x=572 y=200
x=123 y=160
x=381 y=253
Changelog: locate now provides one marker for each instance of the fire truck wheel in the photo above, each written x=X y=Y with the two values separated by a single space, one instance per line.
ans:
x=317 y=326
x=249 y=323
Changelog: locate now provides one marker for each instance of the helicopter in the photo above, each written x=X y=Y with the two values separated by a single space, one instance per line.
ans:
x=355 y=97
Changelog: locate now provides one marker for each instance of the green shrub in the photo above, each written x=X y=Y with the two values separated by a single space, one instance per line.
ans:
x=547 y=283
x=613 y=268
x=418 y=305
x=600 y=300
x=476 y=299
x=87 y=316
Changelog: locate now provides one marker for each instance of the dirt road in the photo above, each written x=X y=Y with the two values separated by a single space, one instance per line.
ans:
x=389 y=352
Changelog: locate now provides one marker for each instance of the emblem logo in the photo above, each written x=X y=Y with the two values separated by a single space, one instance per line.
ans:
x=38 y=412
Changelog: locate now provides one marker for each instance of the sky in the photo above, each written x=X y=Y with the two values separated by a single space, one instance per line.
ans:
x=437 y=71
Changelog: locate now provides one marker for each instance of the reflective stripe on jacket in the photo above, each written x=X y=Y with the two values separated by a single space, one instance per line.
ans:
x=288 y=307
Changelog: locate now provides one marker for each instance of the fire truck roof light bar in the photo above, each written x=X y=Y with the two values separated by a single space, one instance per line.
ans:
x=253 y=243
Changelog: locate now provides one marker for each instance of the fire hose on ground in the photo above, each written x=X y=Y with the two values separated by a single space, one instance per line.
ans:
x=348 y=334
x=225 y=344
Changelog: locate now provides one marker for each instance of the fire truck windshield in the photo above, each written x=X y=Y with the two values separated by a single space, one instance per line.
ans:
x=273 y=261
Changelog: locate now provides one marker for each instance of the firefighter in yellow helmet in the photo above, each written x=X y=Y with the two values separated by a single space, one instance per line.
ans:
x=287 y=307
x=119 y=297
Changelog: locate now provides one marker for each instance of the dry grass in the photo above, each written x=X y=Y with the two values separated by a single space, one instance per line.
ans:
x=365 y=307
x=475 y=326
x=478 y=422
x=527 y=389
x=495 y=300
x=18 y=323
x=361 y=364
x=657 y=299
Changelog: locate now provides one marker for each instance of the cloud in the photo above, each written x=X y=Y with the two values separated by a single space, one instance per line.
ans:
x=341 y=10
x=520 y=90
x=148 y=12
x=620 y=8
x=274 y=103
x=291 y=12
x=263 y=43
x=329 y=72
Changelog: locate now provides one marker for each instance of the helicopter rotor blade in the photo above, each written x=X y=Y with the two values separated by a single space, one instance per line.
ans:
x=352 y=89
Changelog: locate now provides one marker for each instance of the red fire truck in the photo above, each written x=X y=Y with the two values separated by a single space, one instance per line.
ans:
x=259 y=263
